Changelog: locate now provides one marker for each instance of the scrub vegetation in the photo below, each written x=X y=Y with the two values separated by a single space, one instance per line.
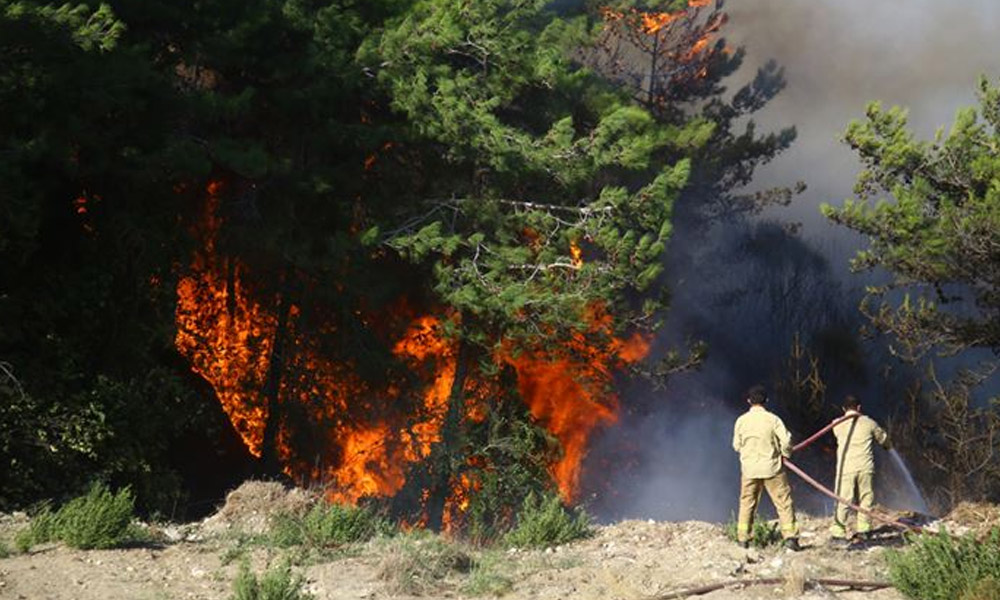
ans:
x=946 y=567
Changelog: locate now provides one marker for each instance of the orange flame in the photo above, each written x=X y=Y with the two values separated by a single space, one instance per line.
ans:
x=225 y=334
x=576 y=255
x=362 y=437
x=571 y=395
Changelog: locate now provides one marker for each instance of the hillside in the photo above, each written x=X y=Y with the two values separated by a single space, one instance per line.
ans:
x=626 y=560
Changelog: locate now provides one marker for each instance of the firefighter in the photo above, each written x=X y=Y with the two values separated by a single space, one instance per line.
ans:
x=855 y=467
x=762 y=440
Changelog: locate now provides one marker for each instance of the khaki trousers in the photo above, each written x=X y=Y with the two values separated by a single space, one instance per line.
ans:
x=781 y=496
x=853 y=486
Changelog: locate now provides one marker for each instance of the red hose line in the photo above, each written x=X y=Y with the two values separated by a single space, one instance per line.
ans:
x=878 y=517
x=820 y=433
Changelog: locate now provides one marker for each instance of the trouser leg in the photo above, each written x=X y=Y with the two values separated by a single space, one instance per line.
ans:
x=866 y=499
x=781 y=496
x=749 y=497
x=844 y=489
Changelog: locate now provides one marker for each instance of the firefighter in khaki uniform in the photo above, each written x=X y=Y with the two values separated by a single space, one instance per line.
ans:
x=761 y=439
x=855 y=466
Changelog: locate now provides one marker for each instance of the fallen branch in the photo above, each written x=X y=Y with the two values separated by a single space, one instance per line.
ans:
x=707 y=589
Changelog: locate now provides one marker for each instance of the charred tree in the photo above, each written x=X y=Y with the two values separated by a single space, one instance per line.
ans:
x=271 y=394
x=448 y=453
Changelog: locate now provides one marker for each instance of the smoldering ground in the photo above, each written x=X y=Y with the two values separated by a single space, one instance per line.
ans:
x=747 y=287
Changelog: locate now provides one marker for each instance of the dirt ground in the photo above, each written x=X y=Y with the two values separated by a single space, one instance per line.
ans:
x=627 y=560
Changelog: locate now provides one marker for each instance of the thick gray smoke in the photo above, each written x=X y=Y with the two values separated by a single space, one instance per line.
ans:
x=841 y=54
x=748 y=287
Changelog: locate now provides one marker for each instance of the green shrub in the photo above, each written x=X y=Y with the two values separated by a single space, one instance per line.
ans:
x=99 y=519
x=277 y=583
x=545 y=522
x=41 y=529
x=946 y=567
x=328 y=525
x=762 y=534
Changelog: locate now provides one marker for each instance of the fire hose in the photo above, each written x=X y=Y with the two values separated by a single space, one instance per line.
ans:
x=821 y=432
x=826 y=491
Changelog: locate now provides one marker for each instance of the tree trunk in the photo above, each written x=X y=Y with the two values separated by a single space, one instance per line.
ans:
x=271 y=464
x=445 y=458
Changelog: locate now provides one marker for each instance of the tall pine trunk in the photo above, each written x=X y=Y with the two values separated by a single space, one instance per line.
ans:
x=271 y=464
x=446 y=459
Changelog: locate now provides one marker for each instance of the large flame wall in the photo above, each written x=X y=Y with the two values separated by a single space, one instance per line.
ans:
x=357 y=445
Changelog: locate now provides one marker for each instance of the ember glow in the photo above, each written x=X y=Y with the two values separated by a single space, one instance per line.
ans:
x=359 y=438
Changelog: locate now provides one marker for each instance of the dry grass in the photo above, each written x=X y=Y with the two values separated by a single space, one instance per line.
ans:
x=250 y=507
x=422 y=565
x=795 y=581
x=978 y=516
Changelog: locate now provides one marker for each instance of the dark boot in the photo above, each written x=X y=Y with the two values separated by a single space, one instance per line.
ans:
x=792 y=544
x=744 y=544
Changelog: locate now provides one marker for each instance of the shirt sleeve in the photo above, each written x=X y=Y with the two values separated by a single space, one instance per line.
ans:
x=737 y=438
x=881 y=437
x=784 y=438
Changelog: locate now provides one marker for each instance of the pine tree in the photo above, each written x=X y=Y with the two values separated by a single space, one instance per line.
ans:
x=938 y=230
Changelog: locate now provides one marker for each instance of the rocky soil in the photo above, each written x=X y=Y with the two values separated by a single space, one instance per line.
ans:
x=628 y=560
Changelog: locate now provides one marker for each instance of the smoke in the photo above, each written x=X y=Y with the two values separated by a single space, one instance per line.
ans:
x=840 y=55
x=748 y=287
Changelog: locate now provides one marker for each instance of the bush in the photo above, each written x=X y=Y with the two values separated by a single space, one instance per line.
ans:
x=946 y=567
x=278 y=583
x=545 y=522
x=762 y=535
x=41 y=529
x=327 y=525
x=99 y=519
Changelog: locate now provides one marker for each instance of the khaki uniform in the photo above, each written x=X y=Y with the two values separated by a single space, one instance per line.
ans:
x=856 y=468
x=761 y=439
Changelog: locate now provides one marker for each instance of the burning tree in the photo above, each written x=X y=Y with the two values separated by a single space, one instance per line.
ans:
x=672 y=58
x=546 y=226
x=535 y=201
x=425 y=239
x=353 y=372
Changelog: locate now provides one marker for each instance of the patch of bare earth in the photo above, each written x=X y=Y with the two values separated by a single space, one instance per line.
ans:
x=628 y=560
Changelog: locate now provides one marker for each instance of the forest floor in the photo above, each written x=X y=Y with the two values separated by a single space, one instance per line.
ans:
x=627 y=560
